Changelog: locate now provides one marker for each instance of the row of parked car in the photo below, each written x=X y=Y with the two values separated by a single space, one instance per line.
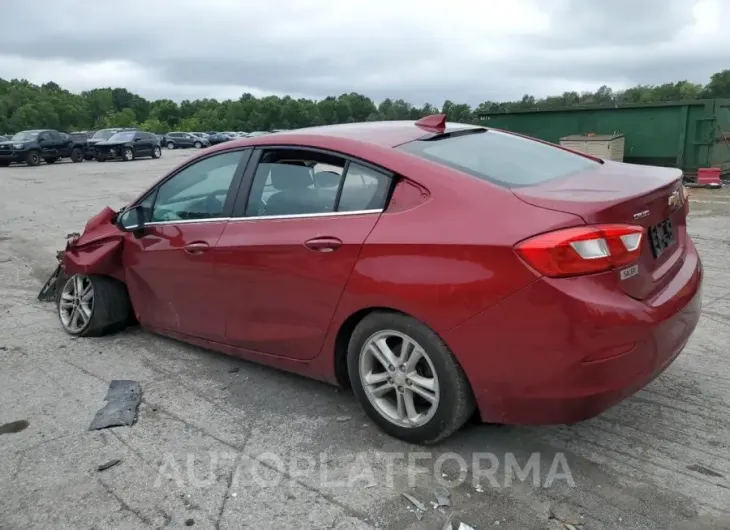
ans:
x=33 y=146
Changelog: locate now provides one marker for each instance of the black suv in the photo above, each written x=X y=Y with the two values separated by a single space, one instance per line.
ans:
x=43 y=144
x=102 y=135
x=128 y=145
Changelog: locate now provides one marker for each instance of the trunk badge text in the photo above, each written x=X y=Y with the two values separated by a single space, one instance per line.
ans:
x=629 y=272
x=641 y=215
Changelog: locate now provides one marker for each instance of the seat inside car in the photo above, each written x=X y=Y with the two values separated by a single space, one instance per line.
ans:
x=294 y=192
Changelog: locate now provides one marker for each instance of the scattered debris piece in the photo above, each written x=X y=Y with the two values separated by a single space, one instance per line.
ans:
x=14 y=427
x=189 y=522
x=448 y=526
x=4 y=348
x=415 y=502
x=122 y=399
x=564 y=514
x=442 y=496
x=344 y=418
x=233 y=370
x=478 y=488
x=464 y=526
x=107 y=465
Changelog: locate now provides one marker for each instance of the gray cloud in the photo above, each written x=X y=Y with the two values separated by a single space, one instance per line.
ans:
x=407 y=50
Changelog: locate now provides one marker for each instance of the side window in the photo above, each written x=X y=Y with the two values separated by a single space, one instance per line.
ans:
x=44 y=137
x=364 y=189
x=294 y=182
x=198 y=192
x=57 y=136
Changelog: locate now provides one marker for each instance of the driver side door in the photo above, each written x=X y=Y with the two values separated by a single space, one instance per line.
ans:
x=170 y=271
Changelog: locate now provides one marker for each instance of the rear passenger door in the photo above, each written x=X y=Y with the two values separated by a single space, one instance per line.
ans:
x=142 y=144
x=293 y=239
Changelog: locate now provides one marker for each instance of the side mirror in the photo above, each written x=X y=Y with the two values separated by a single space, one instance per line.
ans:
x=132 y=220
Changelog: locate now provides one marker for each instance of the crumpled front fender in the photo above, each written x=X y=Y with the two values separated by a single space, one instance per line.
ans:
x=98 y=250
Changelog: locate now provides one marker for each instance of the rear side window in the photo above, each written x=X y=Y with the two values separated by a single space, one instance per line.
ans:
x=501 y=158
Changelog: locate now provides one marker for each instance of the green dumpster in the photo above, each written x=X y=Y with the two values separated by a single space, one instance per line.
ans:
x=684 y=134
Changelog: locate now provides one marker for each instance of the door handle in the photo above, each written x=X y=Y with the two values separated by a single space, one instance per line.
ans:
x=323 y=244
x=197 y=247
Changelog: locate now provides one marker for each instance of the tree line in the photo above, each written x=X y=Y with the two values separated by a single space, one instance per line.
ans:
x=24 y=105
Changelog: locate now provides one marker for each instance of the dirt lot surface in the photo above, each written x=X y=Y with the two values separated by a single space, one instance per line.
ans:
x=225 y=444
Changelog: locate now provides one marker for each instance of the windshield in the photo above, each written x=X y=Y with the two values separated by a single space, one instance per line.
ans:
x=502 y=158
x=24 y=136
x=104 y=134
x=122 y=137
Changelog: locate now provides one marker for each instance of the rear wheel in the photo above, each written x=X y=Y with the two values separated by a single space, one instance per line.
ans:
x=198 y=145
x=406 y=378
x=156 y=152
x=128 y=154
x=91 y=306
x=77 y=155
x=170 y=145
x=33 y=158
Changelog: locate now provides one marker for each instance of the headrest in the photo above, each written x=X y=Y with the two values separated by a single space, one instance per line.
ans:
x=326 y=179
x=289 y=177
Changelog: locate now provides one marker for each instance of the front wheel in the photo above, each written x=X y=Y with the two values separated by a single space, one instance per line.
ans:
x=198 y=145
x=77 y=155
x=170 y=145
x=128 y=154
x=407 y=380
x=33 y=158
x=156 y=152
x=91 y=306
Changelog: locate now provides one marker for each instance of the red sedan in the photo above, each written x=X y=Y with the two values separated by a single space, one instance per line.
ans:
x=435 y=268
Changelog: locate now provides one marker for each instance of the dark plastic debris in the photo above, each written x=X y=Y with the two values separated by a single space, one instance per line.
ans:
x=50 y=288
x=107 y=465
x=122 y=400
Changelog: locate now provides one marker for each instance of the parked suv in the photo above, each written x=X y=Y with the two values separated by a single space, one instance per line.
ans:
x=102 y=135
x=128 y=145
x=175 y=140
x=31 y=147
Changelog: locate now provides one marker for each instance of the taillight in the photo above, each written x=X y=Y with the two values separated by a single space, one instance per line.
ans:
x=583 y=249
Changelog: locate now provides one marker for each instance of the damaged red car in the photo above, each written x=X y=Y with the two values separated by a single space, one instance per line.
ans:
x=438 y=269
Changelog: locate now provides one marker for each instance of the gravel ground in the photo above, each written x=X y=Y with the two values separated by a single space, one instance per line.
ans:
x=222 y=443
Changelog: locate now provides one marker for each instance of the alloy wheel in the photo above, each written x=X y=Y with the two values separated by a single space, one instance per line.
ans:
x=399 y=378
x=76 y=304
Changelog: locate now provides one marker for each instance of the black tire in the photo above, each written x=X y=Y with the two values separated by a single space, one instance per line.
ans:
x=456 y=401
x=170 y=145
x=156 y=152
x=50 y=160
x=77 y=155
x=128 y=154
x=198 y=145
x=111 y=310
x=33 y=158
x=4 y=163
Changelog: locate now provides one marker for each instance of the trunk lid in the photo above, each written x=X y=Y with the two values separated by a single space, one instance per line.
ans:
x=615 y=192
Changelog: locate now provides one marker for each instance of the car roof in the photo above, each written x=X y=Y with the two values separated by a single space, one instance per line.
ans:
x=382 y=133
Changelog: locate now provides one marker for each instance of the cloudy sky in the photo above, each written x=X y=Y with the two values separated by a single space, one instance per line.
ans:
x=419 y=50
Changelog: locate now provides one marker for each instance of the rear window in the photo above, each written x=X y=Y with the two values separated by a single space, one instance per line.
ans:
x=501 y=158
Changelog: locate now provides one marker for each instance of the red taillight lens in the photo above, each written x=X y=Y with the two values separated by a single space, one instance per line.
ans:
x=582 y=250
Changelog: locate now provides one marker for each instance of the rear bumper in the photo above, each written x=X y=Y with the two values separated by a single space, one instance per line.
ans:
x=564 y=351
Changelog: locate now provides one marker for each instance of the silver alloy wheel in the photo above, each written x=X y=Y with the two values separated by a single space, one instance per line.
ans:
x=76 y=304
x=198 y=145
x=128 y=154
x=399 y=378
x=170 y=145
x=157 y=152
